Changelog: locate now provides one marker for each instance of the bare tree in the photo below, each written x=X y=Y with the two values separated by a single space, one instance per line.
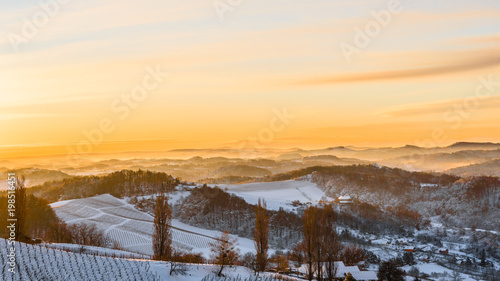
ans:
x=329 y=242
x=309 y=242
x=261 y=235
x=162 y=235
x=455 y=276
x=176 y=265
x=89 y=234
x=224 y=251
x=321 y=246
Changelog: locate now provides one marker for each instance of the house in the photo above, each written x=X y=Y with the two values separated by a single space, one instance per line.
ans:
x=341 y=270
x=382 y=242
x=359 y=275
x=345 y=199
x=410 y=249
x=443 y=251
x=365 y=275
x=37 y=240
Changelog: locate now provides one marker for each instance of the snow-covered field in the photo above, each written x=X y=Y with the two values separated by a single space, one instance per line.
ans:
x=39 y=263
x=133 y=229
x=34 y=262
x=92 y=250
x=278 y=194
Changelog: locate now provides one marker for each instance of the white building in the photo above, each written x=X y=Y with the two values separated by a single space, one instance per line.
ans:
x=345 y=199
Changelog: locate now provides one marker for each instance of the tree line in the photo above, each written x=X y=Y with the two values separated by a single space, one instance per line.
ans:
x=119 y=184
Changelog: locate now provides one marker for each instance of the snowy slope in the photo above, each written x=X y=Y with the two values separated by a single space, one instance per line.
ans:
x=34 y=262
x=133 y=229
x=278 y=194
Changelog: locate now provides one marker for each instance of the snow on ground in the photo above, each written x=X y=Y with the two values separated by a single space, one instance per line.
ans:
x=243 y=244
x=92 y=250
x=278 y=194
x=34 y=262
x=133 y=229
x=435 y=223
x=173 y=197
x=59 y=204
x=196 y=272
x=430 y=268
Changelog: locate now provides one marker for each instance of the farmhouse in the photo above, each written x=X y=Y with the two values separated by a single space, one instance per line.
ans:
x=410 y=249
x=443 y=251
x=345 y=199
x=343 y=270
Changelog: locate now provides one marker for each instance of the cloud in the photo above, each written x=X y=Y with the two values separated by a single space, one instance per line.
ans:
x=479 y=63
x=439 y=107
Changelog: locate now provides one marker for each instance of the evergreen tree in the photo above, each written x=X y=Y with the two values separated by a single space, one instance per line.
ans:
x=408 y=258
x=162 y=236
x=261 y=235
x=482 y=257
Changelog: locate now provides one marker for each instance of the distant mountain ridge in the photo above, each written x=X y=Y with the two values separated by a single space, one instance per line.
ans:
x=489 y=168
x=475 y=145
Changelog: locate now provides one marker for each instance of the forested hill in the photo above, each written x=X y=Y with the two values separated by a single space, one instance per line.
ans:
x=119 y=184
x=464 y=202
x=372 y=176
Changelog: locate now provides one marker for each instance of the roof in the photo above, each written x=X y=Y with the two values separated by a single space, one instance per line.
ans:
x=343 y=270
x=364 y=275
x=347 y=197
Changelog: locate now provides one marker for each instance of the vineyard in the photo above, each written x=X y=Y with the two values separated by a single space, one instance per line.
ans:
x=40 y=263
x=124 y=224
x=252 y=278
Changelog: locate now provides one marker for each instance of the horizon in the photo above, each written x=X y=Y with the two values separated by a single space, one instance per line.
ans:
x=61 y=151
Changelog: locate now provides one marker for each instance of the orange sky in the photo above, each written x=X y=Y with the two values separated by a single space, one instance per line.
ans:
x=119 y=76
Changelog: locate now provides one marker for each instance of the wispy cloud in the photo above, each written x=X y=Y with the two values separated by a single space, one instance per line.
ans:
x=436 y=107
x=480 y=63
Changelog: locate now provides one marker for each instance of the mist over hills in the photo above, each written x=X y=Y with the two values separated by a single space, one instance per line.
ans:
x=488 y=168
x=197 y=164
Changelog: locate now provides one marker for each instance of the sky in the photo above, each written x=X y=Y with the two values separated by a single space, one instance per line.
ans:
x=205 y=74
